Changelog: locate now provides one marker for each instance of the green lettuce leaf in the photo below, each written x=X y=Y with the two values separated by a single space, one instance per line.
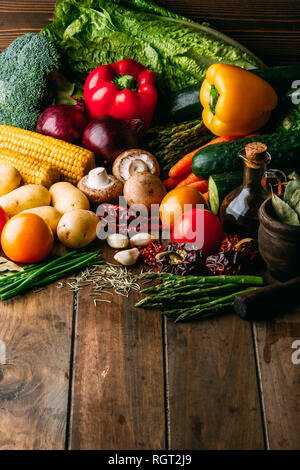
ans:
x=94 y=32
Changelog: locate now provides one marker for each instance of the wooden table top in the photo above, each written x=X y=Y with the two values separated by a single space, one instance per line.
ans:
x=76 y=376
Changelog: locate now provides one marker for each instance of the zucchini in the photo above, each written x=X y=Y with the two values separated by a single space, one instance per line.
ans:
x=220 y=158
x=185 y=104
x=220 y=185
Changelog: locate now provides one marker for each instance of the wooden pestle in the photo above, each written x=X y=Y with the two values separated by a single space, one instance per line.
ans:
x=263 y=304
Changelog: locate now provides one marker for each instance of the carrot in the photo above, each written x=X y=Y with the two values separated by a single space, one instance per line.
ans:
x=170 y=183
x=185 y=164
x=202 y=186
x=206 y=196
x=190 y=179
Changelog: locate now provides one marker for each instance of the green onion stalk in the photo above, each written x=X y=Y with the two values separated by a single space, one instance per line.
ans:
x=41 y=274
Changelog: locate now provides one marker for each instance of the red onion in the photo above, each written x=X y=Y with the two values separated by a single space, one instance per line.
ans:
x=107 y=137
x=63 y=121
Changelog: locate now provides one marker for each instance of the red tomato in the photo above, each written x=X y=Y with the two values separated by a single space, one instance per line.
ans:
x=200 y=227
x=172 y=205
x=3 y=219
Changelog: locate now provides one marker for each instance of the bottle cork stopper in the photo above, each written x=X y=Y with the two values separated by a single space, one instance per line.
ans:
x=256 y=154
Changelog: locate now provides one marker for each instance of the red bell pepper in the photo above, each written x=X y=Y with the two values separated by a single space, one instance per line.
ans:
x=124 y=90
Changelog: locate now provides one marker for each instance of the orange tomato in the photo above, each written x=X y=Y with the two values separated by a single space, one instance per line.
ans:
x=3 y=219
x=27 y=238
x=172 y=205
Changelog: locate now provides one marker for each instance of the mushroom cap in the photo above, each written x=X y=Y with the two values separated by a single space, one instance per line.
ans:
x=108 y=193
x=144 y=188
x=123 y=167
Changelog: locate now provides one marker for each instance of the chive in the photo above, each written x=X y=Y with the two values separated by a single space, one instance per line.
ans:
x=44 y=273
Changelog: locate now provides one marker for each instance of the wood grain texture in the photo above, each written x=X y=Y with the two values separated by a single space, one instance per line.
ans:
x=118 y=385
x=34 y=374
x=280 y=379
x=269 y=28
x=212 y=386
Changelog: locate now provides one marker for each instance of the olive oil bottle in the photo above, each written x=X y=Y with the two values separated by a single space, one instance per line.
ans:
x=239 y=210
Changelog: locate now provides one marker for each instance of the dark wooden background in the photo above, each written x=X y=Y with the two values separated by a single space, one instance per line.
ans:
x=270 y=28
x=114 y=377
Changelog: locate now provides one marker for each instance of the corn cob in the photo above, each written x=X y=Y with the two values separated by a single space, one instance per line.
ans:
x=72 y=161
x=31 y=170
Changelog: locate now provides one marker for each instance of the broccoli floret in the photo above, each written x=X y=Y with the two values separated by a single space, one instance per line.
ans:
x=24 y=68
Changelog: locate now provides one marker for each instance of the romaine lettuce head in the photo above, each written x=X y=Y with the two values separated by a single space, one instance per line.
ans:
x=90 y=33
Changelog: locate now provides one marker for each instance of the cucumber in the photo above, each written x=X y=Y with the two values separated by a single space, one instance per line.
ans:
x=185 y=104
x=220 y=185
x=220 y=158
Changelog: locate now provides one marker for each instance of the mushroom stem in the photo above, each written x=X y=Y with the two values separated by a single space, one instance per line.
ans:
x=97 y=178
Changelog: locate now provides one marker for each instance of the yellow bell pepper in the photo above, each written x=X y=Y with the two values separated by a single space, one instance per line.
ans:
x=235 y=101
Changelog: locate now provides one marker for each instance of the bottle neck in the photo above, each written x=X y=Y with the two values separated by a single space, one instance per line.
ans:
x=253 y=177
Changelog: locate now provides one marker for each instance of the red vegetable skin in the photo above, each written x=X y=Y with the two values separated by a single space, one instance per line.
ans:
x=63 y=121
x=3 y=219
x=107 y=137
x=124 y=90
x=188 y=230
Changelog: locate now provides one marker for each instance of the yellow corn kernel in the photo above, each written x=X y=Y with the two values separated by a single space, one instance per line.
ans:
x=31 y=170
x=48 y=151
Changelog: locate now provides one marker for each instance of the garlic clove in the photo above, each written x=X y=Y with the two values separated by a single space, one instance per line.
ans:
x=141 y=239
x=117 y=240
x=127 y=257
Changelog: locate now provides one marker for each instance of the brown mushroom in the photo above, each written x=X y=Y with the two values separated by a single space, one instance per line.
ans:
x=100 y=187
x=144 y=188
x=134 y=161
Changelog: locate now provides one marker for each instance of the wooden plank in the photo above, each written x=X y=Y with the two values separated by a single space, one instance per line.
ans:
x=118 y=385
x=212 y=386
x=280 y=379
x=269 y=28
x=32 y=6
x=35 y=335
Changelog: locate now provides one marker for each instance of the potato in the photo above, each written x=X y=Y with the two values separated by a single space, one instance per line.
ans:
x=25 y=197
x=10 y=179
x=77 y=229
x=66 y=197
x=49 y=214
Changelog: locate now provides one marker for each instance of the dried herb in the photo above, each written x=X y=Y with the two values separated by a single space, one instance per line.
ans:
x=295 y=201
x=116 y=278
x=284 y=212
x=8 y=267
x=292 y=186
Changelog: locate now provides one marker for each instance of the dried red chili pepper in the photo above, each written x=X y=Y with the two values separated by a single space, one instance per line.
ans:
x=119 y=219
x=236 y=243
x=176 y=259
x=229 y=263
